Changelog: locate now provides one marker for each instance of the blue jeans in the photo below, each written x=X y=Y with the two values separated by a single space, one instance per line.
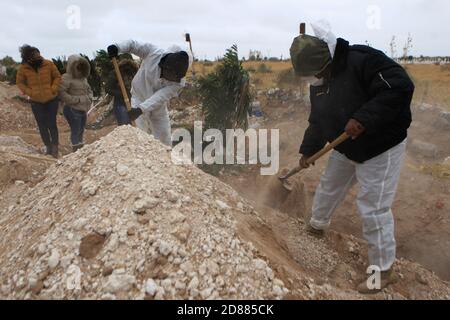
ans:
x=121 y=112
x=77 y=123
x=45 y=115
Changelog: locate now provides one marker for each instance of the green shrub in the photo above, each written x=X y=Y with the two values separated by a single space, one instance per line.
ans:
x=225 y=94
x=263 y=68
x=11 y=73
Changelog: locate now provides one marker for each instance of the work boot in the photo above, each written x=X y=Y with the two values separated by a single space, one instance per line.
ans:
x=54 y=151
x=48 y=150
x=314 y=232
x=77 y=147
x=387 y=278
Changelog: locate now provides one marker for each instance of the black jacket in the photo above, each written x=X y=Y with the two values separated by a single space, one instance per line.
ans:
x=367 y=86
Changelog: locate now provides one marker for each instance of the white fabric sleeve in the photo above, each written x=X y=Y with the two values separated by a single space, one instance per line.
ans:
x=160 y=97
x=139 y=49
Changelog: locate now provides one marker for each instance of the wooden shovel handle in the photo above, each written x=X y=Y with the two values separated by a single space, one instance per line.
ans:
x=121 y=84
x=343 y=137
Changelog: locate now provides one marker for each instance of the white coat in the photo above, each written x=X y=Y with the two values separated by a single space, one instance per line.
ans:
x=149 y=91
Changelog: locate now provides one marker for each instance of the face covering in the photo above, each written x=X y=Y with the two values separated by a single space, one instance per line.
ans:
x=36 y=63
x=309 y=55
x=174 y=66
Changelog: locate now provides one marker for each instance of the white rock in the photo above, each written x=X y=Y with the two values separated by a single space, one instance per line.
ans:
x=180 y=285
x=222 y=205
x=88 y=189
x=122 y=170
x=108 y=296
x=172 y=196
x=119 y=282
x=193 y=284
x=206 y=293
x=141 y=205
x=166 y=284
x=66 y=261
x=259 y=264
x=151 y=287
x=277 y=291
x=53 y=260
x=42 y=248
x=32 y=281
x=165 y=248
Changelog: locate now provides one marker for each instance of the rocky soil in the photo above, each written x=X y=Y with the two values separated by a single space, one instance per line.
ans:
x=119 y=217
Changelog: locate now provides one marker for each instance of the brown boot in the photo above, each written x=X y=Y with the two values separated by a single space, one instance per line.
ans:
x=387 y=278
x=314 y=232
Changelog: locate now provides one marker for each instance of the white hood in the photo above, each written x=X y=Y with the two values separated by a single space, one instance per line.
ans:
x=322 y=30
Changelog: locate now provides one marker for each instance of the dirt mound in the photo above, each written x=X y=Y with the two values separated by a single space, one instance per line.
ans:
x=14 y=113
x=118 y=220
x=14 y=165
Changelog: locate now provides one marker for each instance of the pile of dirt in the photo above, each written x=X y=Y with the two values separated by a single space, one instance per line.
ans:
x=15 y=166
x=118 y=220
x=14 y=113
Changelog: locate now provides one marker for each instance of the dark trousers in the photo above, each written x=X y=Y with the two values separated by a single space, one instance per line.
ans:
x=77 y=123
x=45 y=115
x=121 y=112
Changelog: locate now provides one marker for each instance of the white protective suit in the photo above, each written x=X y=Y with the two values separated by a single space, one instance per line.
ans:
x=377 y=179
x=150 y=92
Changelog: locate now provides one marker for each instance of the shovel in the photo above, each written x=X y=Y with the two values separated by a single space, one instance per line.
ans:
x=188 y=39
x=284 y=179
x=122 y=85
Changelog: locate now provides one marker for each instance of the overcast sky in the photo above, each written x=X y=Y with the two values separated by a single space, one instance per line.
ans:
x=268 y=26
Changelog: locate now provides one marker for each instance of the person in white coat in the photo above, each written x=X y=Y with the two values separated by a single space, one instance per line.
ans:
x=159 y=78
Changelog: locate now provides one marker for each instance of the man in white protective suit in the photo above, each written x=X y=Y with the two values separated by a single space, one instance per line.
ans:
x=159 y=78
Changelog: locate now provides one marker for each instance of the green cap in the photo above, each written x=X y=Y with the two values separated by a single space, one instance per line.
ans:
x=309 y=55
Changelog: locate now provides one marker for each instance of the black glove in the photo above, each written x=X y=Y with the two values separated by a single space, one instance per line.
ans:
x=113 y=51
x=134 y=113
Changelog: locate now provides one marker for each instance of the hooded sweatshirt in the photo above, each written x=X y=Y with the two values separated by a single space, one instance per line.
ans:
x=148 y=88
x=74 y=90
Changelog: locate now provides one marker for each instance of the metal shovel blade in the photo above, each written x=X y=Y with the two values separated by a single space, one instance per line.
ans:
x=284 y=179
x=286 y=184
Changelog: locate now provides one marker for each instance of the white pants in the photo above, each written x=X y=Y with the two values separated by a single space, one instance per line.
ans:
x=377 y=178
x=156 y=122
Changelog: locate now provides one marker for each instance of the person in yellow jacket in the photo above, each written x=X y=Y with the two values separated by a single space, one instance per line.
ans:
x=39 y=79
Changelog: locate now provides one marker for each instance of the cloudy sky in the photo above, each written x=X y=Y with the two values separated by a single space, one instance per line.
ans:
x=269 y=26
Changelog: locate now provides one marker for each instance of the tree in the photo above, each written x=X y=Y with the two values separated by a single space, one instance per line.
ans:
x=94 y=79
x=60 y=63
x=408 y=46
x=104 y=66
x=225 y=94
x=8 y=61
x=393 y=47
x=255 y=55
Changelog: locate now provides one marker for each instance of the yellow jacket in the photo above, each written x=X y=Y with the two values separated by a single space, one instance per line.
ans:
x=42 y=85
